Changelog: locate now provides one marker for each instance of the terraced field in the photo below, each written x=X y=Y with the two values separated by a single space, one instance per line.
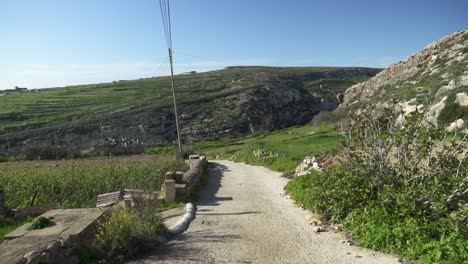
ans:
x=216 y=104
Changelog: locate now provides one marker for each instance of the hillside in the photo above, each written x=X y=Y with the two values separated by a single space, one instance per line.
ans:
x=434 y=79
x=231 y=102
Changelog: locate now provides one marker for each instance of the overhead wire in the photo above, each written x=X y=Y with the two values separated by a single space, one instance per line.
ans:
x=166 y=18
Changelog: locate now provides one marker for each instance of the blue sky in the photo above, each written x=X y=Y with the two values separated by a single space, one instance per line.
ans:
x=51 y=43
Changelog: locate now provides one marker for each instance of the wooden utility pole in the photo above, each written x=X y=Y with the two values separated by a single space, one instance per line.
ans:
x=174 y=100
x=166 y=19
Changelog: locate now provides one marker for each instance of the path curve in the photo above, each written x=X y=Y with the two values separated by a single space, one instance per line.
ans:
x=243 y=216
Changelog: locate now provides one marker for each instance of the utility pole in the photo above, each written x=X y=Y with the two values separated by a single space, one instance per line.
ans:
x=166 y=19
x=174 y=100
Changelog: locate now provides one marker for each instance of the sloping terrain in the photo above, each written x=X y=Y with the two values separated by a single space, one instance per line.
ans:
x=435 y=79
x=231 y=102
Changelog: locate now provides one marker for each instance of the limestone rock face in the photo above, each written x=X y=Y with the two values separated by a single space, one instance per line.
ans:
x=430 y=79
x=435 y=58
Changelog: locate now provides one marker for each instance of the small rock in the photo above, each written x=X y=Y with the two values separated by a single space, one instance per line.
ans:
x=357 y=256
x=338 y=227
x=349 y=243
x=342 y=241
x=315 y=222
x=318 y=229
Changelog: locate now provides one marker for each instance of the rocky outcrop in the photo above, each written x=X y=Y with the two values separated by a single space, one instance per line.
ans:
x=431 y=81
x=438 y=61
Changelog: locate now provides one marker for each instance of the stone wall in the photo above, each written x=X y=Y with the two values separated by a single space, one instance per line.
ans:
x=179 y=186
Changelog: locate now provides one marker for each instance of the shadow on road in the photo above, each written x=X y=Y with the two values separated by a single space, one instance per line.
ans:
x=190 y=246
x=208 y=194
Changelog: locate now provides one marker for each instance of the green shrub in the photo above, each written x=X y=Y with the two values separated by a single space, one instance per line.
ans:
x=40 y=223
x=344 y=192
x=400 y=189
x=127 y=232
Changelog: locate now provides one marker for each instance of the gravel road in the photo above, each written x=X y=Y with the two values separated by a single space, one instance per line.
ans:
x=243 y=216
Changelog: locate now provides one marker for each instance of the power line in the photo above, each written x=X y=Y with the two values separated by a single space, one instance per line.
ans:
x=166 y=17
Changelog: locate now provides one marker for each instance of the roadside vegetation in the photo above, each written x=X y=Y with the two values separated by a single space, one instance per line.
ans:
x=279 y=150
x=127 y=232
x=399 y=189
x=76 y=183
x=8 y=224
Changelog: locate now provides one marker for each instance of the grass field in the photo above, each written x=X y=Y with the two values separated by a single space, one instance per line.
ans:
x=76 y=183
x=34 y=108
x=288 y=146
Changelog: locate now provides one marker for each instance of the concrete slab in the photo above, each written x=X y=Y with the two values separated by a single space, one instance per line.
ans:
x=19 y=232
x=66 y=222
x=52 y=213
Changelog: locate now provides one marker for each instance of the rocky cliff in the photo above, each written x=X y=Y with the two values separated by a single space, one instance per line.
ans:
x=434 y=80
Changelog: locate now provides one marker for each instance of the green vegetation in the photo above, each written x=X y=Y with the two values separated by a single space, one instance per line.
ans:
x=163 y=150
x=205 y=100
x=8 y=224
x=402 y=190
x=35 y=108
x=283 y=149
x=127 y=232
x=76 y=183
x=40 y=223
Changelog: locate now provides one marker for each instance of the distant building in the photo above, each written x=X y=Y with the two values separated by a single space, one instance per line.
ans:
x=19 y=89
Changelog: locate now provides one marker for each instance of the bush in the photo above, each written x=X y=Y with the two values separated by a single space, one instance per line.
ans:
x=40 y=223
x=400 y=189
x=127 y=232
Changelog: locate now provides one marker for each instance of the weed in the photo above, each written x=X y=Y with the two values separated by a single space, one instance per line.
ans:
x=128 y=232
x=40 y=223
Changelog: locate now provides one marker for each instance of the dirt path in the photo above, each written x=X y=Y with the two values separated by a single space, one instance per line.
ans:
x=243 y=217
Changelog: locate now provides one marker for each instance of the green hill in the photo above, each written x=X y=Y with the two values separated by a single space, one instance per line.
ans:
x=217 y=104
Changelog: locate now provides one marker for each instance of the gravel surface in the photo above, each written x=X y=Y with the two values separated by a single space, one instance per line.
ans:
x=243 y=216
